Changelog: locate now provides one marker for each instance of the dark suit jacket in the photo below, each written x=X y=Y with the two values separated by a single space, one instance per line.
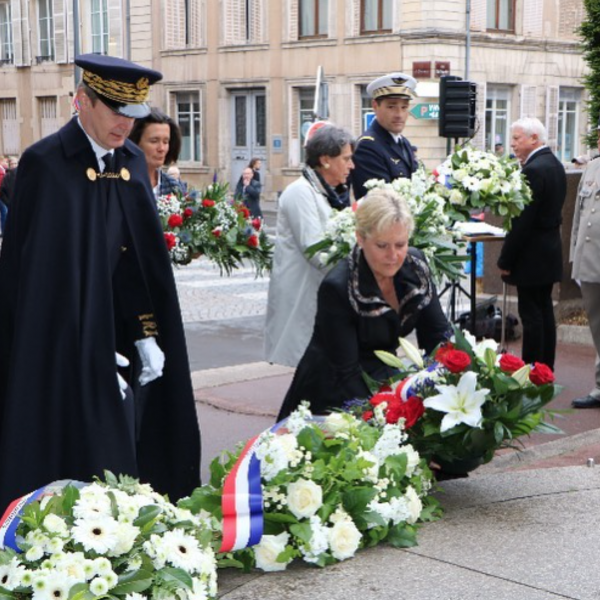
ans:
x=378 y=156
x=343 y=341
x=532 y=251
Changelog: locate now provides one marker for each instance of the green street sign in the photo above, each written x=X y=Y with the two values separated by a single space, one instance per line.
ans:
x=426 y=111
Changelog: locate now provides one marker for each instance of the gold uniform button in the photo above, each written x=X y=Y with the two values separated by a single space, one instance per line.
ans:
x=123 y=248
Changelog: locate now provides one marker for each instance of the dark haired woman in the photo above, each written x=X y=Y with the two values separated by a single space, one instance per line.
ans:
x=159 y=138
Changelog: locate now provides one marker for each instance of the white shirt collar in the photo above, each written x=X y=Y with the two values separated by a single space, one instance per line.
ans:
x=534 y=152
x=99 y=151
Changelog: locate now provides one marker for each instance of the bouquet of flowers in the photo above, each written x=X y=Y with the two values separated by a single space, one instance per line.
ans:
x=472 y=179
x=330 y=487
x=117 y=540
x=431 y=234
x=464 y=402
x=209 y=224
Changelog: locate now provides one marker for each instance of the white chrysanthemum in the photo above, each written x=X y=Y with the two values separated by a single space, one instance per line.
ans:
x=319 y=541
x=93 y=502
x=182 y=549
x=97 y=534
x=72 y=564
x=135 y=596
x=99 y=586
x=156 y=549
x=34 y=553
x=55 y=524
x=102 y=566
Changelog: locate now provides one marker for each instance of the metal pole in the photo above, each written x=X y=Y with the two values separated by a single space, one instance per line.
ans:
x=468 y=44
x=76 y=38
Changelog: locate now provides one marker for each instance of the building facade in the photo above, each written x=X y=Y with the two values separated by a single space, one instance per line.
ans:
x=239 y=75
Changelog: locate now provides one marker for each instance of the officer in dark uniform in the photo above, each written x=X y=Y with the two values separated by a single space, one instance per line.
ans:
x=382 y=152
x=86 y=280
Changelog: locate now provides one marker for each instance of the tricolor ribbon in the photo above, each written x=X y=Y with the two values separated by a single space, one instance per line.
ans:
x=12 y=515
x=406 y=388
x=242 y=499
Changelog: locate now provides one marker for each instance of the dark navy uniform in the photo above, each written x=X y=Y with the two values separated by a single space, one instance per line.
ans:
x=378 y=156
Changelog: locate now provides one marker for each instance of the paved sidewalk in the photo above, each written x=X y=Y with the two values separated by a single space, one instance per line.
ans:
x=523 y=527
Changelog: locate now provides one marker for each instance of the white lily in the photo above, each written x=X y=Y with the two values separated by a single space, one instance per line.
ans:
x=461 y=403
x=412 y=352
x=522 y=375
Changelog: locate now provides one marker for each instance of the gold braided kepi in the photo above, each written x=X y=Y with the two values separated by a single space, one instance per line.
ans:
x=394 y=84
x=122 y=85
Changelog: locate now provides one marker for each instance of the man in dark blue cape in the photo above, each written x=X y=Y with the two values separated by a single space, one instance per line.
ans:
x=84 y=274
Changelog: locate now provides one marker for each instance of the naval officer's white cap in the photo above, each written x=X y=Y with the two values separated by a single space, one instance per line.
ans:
x=397 y=85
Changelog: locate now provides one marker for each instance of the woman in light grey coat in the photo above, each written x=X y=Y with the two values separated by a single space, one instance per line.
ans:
x=304 y=208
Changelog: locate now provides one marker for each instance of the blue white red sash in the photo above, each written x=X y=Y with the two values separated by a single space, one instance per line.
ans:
x=12 y=515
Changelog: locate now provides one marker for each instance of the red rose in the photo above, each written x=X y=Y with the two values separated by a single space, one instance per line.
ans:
x=456 y=361
x=175 y=221
x=187 y=213
x=256 y=223
x=510 y=363
x=367 y=415
x=170 y=240
x=411 y=411
x=253 y=241
x=243 y=211
x=541 y=374
x=386 y=388
x=380 y=397
x=207 y=203
x=442 y=350
x=216 y=232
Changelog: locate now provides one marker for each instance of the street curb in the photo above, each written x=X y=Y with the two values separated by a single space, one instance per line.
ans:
x=521 y=458
x=232 y=406
x=209 y=378
x=574 y=334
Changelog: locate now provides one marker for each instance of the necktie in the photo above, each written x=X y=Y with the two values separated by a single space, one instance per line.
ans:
x=108 y=162
x=404 y=151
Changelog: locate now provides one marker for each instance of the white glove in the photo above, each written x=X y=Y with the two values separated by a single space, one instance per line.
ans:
x=153 y=359
x=123 y=385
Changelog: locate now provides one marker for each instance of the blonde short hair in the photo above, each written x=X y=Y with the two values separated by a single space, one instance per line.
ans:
x=380 y=209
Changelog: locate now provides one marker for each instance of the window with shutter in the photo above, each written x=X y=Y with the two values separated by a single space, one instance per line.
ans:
x=188 y=115
x=11 y=138
x=15 y=9
x=47 y=110
x=6 y=34
x=45 y=31
x=501 y=15
x=376 y=16
x=568 y=107
x=99 y=22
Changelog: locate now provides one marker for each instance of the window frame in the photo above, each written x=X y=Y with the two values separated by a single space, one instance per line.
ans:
x=104 y=34
x=46 y=25
x=196 y=147
x=380 y=28
x=316 y=5
x=7 y=54
x=494 y=94
x=566 y=96
x=497 y=16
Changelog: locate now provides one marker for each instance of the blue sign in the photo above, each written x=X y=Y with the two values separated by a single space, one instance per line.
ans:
x=368 y=119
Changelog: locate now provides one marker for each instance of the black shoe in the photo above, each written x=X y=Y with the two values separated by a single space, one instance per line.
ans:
x=586 y=402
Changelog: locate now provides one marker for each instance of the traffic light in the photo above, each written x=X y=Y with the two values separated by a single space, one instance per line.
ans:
x=457 y=107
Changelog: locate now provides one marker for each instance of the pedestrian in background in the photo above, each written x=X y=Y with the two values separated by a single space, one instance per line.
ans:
x=531 y=256
x=304 y=209
x=382 y=152
x=159 y=137
x=85 y=274
x=585 y=256
x=247 y=191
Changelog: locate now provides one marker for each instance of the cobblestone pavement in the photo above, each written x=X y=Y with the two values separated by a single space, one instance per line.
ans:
x=205 y=295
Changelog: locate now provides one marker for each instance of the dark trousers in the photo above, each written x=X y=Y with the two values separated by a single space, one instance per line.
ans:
x=539 y=326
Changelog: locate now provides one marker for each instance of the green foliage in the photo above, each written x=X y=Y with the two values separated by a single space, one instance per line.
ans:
x=589 y=31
